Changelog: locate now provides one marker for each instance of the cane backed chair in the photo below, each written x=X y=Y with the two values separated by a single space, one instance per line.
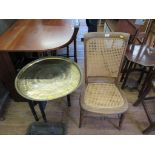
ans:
x=103 y=58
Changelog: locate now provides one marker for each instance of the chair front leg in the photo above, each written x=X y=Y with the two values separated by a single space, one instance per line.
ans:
x=81 y=115
x=121 y=120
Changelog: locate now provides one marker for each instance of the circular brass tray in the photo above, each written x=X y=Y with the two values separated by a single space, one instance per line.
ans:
x=48 y=78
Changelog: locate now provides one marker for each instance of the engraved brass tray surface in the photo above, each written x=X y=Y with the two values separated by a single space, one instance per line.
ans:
x=48 y=78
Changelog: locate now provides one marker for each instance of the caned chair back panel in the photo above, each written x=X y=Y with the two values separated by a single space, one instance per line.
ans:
x=104 y=53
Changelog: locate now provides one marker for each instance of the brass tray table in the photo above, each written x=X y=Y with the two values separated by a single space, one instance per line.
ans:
x=47 y=79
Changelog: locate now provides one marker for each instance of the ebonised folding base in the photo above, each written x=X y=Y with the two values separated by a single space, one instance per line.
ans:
x=42 y=105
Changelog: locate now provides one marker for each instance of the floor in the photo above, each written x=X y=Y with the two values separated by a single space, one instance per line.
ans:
x=18 y=115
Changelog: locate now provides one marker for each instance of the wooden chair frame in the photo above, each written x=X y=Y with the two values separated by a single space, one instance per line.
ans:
x=88 y=36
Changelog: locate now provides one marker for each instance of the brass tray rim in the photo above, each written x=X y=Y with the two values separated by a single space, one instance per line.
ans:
x=39 y=60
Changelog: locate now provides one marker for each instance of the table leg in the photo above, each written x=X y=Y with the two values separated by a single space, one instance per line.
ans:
x=75 y=51
x=124 y=70
x=42 y=107
x=142 y=95
x=8 y=74
x=31 y=105
x=152 y=123
x=141 y=75
x=147 y=79
x=68 y=100
x=54 y=53
x=67 y=51
x=127 y=74
x=145 y=87
x=123 y=64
